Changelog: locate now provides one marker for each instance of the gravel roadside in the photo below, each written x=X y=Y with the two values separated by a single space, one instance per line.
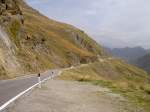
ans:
x=70 y=96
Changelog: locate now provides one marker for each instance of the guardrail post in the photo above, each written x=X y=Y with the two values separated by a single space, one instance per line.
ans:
x=52 y=75
x=39 y=80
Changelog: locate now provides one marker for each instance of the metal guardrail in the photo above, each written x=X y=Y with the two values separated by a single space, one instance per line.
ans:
x=4 y=106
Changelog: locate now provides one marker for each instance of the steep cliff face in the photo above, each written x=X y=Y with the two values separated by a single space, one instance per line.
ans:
x=9 y=13
x=31 y=42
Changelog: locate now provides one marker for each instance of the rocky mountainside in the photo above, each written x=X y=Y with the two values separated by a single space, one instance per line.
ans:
x=31 y=42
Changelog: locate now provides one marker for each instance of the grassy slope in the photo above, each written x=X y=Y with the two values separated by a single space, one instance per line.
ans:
x=60 y=33
x=128 y=80
x=54 y=40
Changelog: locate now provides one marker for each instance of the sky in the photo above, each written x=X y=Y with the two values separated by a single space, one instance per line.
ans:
x=113 y=23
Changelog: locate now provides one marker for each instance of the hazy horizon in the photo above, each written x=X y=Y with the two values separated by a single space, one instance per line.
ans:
x=112 y=23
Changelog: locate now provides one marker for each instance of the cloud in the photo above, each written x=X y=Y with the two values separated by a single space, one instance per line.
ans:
x=37 y=2
x=121 y=20
x=90 y=12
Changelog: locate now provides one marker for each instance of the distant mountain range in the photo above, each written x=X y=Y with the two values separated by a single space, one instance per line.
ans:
x=136 y=55
x=144 y=62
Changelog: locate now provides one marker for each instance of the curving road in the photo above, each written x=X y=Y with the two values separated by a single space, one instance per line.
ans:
x=11 y=88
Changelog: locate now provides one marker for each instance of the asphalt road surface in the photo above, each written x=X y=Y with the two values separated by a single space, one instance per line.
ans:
x=11 y=88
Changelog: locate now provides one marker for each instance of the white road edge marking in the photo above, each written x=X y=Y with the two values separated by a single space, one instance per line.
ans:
x=22 y=93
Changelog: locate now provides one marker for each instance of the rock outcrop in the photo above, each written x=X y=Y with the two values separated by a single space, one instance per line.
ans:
x=8 y=10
